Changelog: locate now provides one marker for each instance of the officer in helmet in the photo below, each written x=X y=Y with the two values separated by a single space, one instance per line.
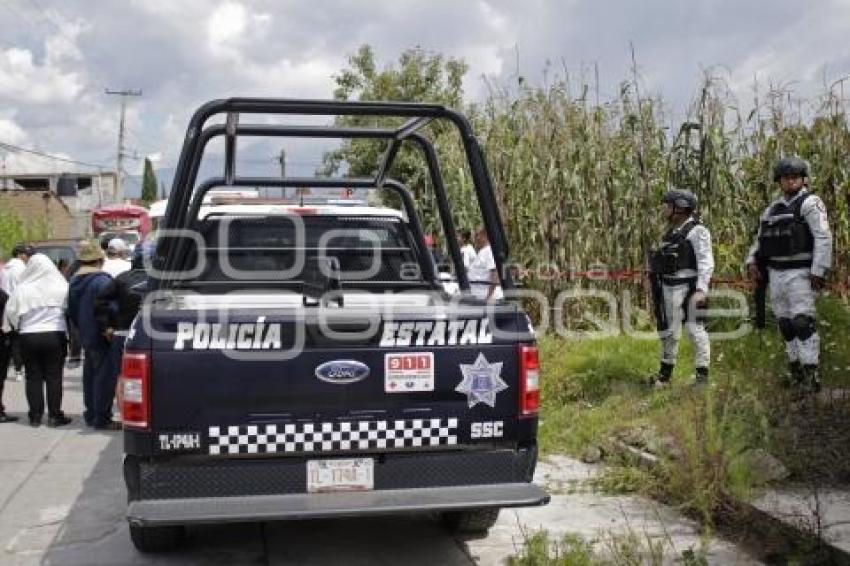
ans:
x=795 y=243
x=681 y=269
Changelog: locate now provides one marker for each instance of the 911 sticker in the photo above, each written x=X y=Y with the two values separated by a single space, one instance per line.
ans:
x=180 y=441
x=489 y=429
x=406 y=373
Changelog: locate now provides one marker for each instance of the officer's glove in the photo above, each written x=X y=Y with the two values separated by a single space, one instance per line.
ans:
x=699 y=299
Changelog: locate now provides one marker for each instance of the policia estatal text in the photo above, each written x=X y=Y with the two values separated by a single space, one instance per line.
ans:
x=794 y=244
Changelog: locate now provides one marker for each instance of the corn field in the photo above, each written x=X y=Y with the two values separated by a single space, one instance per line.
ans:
x=579 y=182
x=579 y=179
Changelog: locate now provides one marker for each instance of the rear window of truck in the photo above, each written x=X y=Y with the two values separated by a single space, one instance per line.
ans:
x=368 y=249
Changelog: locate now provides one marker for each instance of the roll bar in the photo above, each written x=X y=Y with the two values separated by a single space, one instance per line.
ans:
x=182 y=205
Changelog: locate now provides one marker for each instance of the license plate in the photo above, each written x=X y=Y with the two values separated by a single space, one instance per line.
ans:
x=356 y=474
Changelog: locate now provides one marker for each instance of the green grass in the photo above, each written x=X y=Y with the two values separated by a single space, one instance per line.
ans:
x=593 y=389
x=538 y=549
x=611 y=549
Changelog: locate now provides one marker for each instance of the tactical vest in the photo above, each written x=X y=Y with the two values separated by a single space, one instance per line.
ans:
x=675 y=252
x=785 y=233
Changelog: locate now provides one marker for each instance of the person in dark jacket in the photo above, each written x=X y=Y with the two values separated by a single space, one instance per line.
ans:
x=117 y=304
x=75 y=350
x=98 y=377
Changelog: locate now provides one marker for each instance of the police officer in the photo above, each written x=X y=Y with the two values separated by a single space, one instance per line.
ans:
x=682 y=266
x=116 y=305
x=795 y=242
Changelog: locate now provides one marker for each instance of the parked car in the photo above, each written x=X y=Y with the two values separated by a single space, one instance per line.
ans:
x=304 y=361
x=63 y=252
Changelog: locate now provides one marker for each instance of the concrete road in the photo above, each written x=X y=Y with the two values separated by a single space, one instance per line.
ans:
x=62 y=501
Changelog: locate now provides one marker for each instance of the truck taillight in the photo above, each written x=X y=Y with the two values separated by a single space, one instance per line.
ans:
x=134 y=389
x=529 y=381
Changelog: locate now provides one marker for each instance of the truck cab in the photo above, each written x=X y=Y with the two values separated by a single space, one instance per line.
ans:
x=297 y=360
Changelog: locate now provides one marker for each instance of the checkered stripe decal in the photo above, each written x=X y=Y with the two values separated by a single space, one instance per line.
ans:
x=333 y=436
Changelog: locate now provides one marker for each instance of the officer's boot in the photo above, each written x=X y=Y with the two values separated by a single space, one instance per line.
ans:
x=811 y=379
x=701 y=377
x=795 y=376
x=662 y=377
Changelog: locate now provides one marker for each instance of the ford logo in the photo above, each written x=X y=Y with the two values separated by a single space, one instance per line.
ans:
x=342 y=371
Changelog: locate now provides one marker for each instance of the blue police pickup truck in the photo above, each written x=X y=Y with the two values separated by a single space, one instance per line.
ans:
x=297 y=360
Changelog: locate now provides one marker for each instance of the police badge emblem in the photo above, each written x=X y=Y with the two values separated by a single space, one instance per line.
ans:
x=481 y=381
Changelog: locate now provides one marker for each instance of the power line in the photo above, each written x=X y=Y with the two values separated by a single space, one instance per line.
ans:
x=15 y=148
x=142 y=139
x=132 y=178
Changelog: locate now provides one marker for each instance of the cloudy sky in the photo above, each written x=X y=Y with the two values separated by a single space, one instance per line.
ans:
x=56 y=58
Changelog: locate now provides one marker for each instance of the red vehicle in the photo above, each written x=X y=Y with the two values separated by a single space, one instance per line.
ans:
x=121 y=218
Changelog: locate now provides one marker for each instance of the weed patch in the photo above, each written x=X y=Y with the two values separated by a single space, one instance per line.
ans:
x=596 y=390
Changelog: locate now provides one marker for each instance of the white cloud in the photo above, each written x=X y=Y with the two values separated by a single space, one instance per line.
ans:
x=63 y=45
x=11 y=132
x=24 y=81
x=182 y=54
x=226 y=24
x=290 y=79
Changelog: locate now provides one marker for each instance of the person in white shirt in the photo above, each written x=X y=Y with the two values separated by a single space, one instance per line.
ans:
x=115 y=263
x=10 y=347
x=483 y=276
x=467 y=252
x=14 y=268
x=36 y=309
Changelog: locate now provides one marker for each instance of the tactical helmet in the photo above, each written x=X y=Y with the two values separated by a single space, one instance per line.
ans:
x=681 y=198
x=790 y=167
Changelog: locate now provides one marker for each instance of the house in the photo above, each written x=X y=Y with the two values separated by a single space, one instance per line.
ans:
x=64 y=201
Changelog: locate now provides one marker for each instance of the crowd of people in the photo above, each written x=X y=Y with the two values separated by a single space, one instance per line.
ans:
x=92 y=303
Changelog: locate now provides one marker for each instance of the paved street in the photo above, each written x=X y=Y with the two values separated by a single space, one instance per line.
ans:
x=62 y=501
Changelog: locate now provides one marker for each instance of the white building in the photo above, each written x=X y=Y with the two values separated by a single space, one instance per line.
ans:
x=79 y=192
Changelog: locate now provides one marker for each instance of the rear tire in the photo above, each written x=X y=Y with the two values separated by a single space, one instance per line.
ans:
x=157 y=539
x=470 y=520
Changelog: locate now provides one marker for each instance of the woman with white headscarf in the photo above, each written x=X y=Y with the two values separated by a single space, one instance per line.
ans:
x=36 y=309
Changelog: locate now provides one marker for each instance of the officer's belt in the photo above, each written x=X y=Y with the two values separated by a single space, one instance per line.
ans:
x=678 y=280
x=780 y=265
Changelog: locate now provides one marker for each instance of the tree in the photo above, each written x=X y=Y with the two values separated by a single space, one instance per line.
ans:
x=419 y=76
x=149 y=184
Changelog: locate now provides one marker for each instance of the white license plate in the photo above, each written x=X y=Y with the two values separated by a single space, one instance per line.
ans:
x=356 y=474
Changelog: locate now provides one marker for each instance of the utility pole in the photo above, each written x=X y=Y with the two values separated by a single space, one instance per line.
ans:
x=119 y=161
x=282 y=160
